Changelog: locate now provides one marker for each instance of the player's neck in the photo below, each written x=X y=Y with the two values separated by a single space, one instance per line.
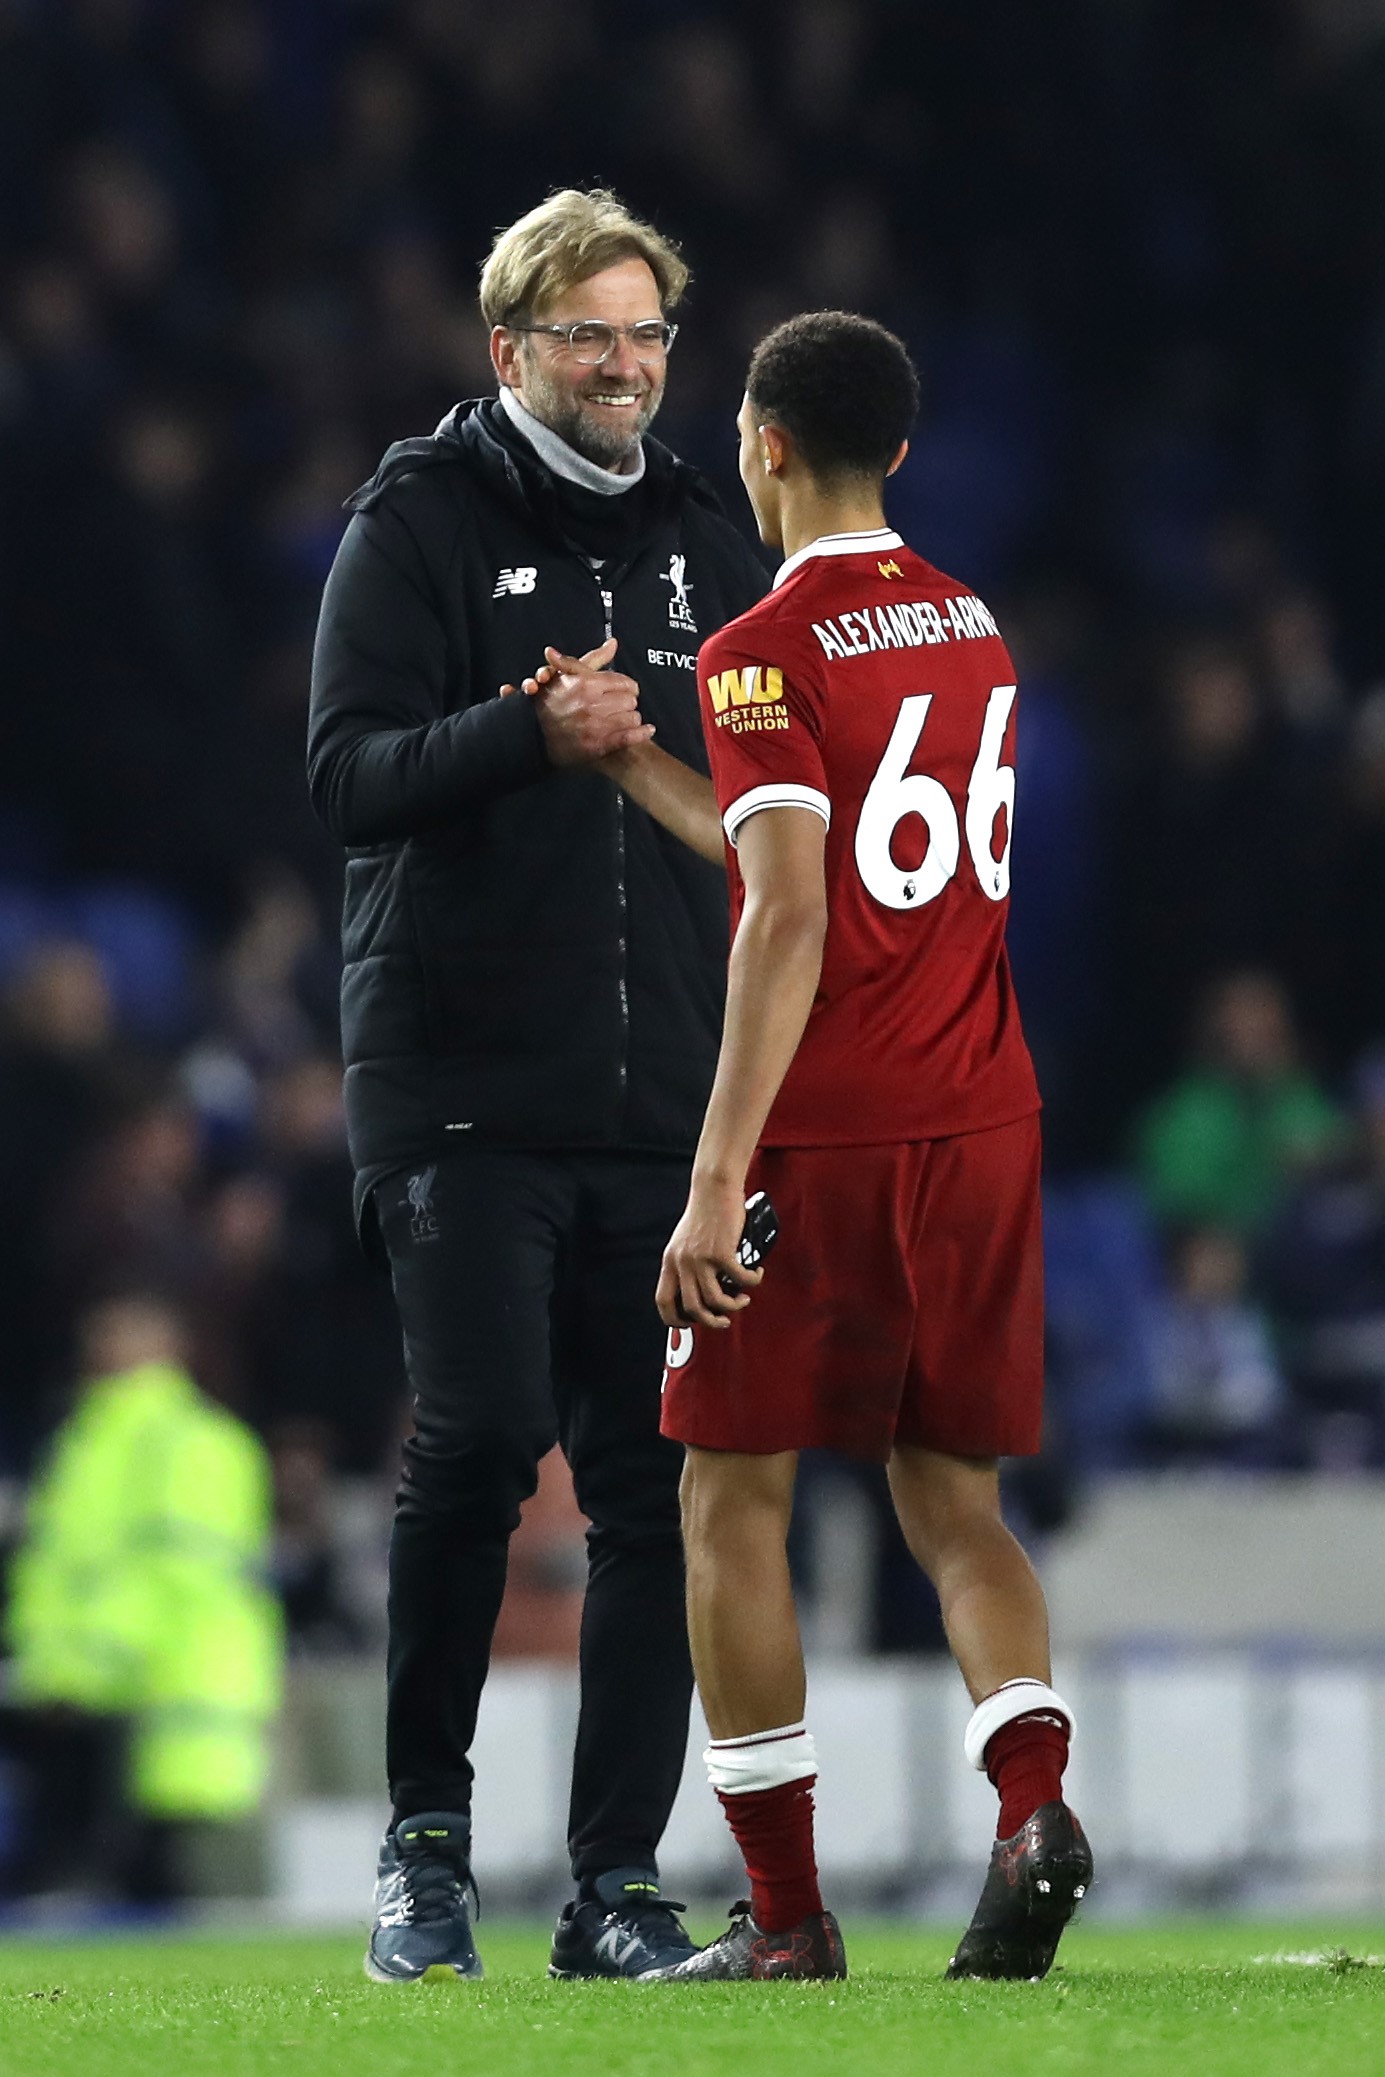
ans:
x=808 y=513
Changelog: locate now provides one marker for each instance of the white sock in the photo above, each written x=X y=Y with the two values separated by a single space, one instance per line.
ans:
x=761 y=1760
x=993 y=1712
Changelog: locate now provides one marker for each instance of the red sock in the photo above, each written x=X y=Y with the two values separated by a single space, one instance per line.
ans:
x=774 y=1831
x=1025 y=1761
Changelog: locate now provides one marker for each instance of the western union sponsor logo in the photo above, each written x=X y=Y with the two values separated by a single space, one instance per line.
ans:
x=747 y=721
x=752 y=686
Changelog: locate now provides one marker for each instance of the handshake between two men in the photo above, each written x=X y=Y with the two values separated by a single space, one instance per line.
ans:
x=586 y=710
x=590 y=715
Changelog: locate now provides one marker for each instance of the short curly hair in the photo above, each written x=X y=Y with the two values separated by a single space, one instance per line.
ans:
x=843 y=387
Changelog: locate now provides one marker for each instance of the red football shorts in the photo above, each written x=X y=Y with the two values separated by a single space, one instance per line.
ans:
x=903 y=1303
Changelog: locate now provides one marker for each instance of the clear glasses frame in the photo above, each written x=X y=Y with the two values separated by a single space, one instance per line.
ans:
x=591 y=341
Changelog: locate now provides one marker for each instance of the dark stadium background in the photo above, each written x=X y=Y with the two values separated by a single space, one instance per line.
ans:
x=1139 y=252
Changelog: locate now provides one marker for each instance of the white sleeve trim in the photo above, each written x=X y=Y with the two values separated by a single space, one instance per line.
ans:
x=782 y=794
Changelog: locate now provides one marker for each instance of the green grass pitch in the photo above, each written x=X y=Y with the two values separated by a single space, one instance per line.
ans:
x=1236 y=2000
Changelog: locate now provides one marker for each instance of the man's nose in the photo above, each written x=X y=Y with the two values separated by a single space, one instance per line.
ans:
x=623 y=360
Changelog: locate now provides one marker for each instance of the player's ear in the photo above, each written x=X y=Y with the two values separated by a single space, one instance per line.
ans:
x=903 y=450
x=775 y=448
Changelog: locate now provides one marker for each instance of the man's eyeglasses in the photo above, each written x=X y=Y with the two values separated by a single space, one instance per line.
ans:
x=592 y=342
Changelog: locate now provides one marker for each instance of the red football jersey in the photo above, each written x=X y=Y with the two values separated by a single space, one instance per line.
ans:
x=876 y=692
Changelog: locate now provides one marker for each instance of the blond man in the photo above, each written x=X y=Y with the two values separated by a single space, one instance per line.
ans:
x=531 y=1007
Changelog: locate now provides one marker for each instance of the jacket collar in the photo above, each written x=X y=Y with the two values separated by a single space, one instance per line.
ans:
x=477 y=434
x=563 y=460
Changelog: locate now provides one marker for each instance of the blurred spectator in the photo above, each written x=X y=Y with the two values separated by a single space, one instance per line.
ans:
x=129 y=1215
x=1325 y=1265
x=307 y=1567
x=1301 y=675
x=122 y=219
x=278 y=975
x=324 y=1340
x=1227 y=1140
x=1218 y=1390
x=58 y=1076
x=145 y=1645
x=1200 y=848
x=62 y=376
x=1103 y=1278
x=1348 y=923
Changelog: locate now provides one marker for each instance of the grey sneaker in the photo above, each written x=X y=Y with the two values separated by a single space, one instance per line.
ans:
x=424 y=1902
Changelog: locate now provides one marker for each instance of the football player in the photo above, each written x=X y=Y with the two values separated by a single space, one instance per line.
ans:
x=874 y=1081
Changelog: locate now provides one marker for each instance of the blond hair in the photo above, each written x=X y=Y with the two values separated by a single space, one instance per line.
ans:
x=567 y=239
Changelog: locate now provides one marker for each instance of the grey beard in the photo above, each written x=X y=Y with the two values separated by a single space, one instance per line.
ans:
x=607 y=446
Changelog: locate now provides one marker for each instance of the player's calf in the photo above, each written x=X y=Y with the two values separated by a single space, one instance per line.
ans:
x=749 y=1664
x=764 y=1783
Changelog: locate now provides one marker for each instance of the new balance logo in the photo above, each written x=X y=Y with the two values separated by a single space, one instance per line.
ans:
x=616 y=1947
x=512 y=582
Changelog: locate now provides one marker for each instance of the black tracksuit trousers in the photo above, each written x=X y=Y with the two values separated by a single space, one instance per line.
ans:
x=525 y=1287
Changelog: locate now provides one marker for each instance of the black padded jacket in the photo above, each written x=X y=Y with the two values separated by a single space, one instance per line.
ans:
x=529 y=958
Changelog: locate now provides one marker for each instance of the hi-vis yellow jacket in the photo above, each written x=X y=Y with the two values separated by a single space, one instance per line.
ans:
x=140 y=1589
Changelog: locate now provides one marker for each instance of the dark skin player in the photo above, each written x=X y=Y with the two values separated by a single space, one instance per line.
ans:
x=736 y=1507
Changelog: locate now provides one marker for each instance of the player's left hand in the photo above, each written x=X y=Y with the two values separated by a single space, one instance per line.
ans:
x=703 y=1248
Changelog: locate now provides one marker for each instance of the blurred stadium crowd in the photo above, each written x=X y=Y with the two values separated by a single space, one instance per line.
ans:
x=1139 y=251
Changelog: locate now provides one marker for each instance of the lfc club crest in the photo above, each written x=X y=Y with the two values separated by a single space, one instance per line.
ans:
x=680 y=613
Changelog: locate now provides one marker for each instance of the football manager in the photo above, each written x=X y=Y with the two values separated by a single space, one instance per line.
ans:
x=531 y=1007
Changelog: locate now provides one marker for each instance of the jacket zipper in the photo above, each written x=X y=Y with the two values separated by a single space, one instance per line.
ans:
x=622 y=905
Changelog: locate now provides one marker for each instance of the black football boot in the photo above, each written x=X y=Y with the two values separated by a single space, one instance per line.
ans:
x=1033 y=1886
x=745 y=1953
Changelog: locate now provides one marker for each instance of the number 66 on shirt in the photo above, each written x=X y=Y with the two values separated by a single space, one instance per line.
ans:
x=892 y=796
x=875 y=692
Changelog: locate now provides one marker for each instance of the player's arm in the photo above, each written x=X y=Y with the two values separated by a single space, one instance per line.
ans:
x=776 y=963
x=669 y=790
x=673 y=793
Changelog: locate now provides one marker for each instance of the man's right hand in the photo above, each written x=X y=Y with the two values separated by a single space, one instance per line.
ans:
x=586 y=711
